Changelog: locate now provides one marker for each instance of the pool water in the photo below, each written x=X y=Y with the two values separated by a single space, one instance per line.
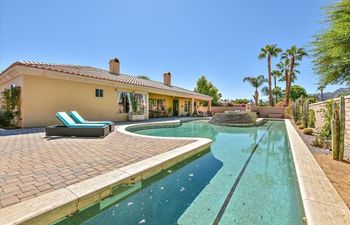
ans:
x=247 y=177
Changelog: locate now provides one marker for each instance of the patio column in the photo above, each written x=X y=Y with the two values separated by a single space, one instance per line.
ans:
x=147 y=106
x=192 y=107
x=209 y=105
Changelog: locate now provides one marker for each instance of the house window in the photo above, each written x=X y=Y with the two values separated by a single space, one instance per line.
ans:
x=157 y=104
x=99 y=93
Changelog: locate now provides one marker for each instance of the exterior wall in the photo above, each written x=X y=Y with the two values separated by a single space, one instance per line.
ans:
x=319 y=120
x=263 y=111
x=43 y=97
x=182 y=107
x=221 y=109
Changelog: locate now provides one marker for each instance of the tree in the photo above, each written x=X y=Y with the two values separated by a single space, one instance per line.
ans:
x=207 y=88
x=255 y=82
x=331 y=47
x=294 y=54
x=267 y=52
x=297 y=91
x=240 y=101
x=275 y=74
x=143 y=77
x=277 y=92
x=321 y=87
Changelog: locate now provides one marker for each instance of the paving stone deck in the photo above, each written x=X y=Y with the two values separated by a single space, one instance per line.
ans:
x=31 y=165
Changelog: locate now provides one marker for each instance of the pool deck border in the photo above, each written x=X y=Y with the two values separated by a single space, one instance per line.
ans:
x=322 y=203
x=50 y=207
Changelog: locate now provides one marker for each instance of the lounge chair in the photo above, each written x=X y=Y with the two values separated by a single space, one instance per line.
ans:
x=80 y=120
x=71 y=128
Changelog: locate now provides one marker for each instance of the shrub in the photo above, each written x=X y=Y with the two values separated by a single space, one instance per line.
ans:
x=312 y=118
x=327 y=114
x=308 y=131
x=6 y=118
x=301 y=127
x=288 y=112
x=320 y=143
x=298 y=123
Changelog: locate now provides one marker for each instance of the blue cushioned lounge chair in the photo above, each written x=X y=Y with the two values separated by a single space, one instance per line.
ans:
x=71 y=128
x=80 y=120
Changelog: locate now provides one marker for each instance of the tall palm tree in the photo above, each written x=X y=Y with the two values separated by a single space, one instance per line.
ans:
x=321 y=87
x=275 y=74
x=267 y=52
x=255 y=82
x=275 y=91
x=294 y=54
x=283 y=67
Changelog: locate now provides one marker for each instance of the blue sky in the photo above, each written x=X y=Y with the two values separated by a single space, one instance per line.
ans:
x=218 y=39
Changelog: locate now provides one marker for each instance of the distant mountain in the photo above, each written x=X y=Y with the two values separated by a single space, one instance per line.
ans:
x=335 y=94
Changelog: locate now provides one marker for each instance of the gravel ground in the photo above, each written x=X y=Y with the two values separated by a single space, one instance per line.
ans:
x=308 y=140
x=338 y=172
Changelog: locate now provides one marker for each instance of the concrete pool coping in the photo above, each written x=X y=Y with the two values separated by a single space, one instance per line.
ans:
x=58 y=204
x=322 y=203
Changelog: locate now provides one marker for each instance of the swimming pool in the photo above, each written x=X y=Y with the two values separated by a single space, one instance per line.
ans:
x=247 y=177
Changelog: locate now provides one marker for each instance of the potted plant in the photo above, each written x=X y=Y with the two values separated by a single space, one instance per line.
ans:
x=135 y=114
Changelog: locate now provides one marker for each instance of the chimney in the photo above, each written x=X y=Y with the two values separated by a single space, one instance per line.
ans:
x=114 y=66
x=167 y=78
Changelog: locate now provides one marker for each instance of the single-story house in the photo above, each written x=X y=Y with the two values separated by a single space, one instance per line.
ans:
x=96 y=94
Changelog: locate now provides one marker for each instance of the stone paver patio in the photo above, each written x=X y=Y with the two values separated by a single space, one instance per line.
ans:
x=31 y=165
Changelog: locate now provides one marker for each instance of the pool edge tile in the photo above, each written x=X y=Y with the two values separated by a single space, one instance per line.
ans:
x=41 y=210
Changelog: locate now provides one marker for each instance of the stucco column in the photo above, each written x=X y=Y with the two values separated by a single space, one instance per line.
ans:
x=209 y=105
x=192 y=107
x=147 y=106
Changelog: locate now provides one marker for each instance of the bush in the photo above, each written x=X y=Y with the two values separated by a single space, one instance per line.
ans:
x=298 y=123
x=320 y=143
x=288 y=112
x=312 y=118
x=301 y=127
x=308 y=131
x=6 y=118
x=327 y=114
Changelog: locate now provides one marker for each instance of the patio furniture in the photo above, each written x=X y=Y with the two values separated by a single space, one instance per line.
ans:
x=80 y=120
x=71 y=128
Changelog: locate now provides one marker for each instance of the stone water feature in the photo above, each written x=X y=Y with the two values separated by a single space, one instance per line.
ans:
x=239 y=119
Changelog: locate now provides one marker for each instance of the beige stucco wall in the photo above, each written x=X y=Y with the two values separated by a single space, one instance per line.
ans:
x=43 y=97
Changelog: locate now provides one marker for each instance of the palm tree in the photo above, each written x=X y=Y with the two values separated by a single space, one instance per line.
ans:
x=275 y=74
x=267 y=52
x=321 y=87
x=294 y=54
x=283 y=67
x=255 y=82
x=277 y=92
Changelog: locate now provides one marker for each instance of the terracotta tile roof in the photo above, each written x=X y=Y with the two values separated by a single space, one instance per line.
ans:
x=96 y=73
